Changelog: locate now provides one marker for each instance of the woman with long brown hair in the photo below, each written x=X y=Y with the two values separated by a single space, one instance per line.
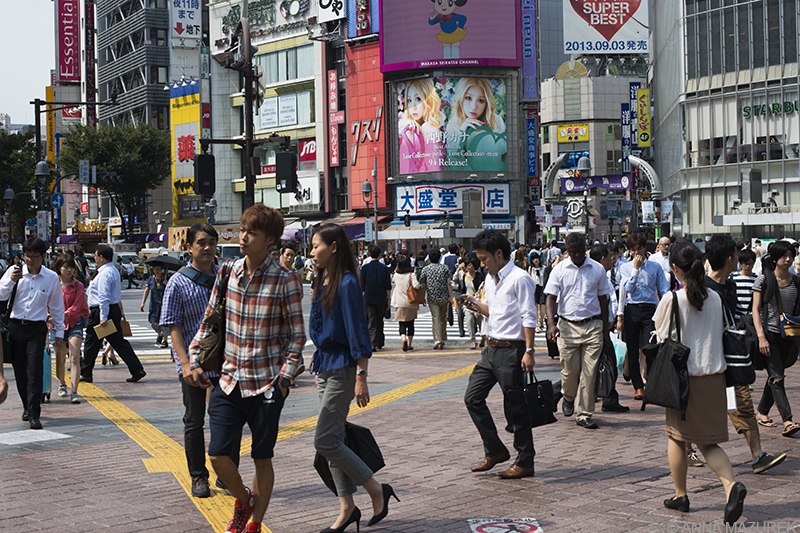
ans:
x=338 y=328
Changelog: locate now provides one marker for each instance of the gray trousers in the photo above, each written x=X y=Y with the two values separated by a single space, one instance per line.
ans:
x=335 y=390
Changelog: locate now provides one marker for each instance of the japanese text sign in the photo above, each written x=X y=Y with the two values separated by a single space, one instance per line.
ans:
x=433 y=199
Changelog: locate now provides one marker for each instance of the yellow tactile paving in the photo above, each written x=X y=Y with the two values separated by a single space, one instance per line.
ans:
x=169 y=456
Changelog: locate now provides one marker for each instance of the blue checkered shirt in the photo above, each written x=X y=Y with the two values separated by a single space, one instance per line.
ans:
x=184 y=305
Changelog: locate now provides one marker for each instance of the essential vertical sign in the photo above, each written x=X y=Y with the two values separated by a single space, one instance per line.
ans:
x=643 y=116
x=68 y=40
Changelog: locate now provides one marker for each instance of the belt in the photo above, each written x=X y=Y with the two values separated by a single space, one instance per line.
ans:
x=505 y=344
x=27 y=322
x=584 y=321
x=643 y=305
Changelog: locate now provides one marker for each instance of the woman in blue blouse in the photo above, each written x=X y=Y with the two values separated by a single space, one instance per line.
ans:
x=338 y=328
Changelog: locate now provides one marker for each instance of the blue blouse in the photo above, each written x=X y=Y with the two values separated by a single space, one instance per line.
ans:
x=343 y=336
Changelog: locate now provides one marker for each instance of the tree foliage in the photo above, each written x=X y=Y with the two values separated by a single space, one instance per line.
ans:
x=17 y=163
x=140 y=153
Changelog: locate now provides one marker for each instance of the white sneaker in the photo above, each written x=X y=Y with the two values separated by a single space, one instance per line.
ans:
x=75 y=398
x=62 y=390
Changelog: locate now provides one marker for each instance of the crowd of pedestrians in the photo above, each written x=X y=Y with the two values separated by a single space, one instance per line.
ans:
x=500 y=296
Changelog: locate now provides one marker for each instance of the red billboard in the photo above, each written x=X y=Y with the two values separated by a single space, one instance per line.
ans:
x=366 y=123
x=68 y=40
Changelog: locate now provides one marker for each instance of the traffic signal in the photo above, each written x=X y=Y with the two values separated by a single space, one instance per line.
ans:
x=407 y=219
x=112 y=178
x=204 y=174
x=286 y=172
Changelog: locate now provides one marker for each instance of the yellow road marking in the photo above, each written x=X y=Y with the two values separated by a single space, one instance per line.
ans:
x=169 y=456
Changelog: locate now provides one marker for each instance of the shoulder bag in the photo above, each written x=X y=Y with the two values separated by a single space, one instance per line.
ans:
x=212 y=347
x=415 y=296
x=8 y=353
x=668 y=377
x=740 y=370
x=789 y=324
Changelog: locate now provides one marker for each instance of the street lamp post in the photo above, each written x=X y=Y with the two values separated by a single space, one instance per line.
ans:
x=584 y=168
x=366 y=190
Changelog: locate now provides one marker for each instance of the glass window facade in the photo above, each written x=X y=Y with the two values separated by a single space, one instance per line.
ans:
x=287 y=65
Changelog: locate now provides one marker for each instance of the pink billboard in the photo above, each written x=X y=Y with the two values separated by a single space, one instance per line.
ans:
x=68 y=40
x=452 y=33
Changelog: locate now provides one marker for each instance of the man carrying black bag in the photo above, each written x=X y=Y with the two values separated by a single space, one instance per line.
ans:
x=510 y=328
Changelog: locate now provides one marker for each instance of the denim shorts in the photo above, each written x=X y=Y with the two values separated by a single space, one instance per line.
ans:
x=75 y=331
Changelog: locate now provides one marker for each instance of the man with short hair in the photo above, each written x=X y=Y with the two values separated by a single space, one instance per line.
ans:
x=436 y=279
x=38 y=291
x=510 y=313
x=642 y=284
x=377 y=282
x=721 y=255
x=578 y=285
x=744 y=280
x=264 y=331
x=662 y=256
x=555 y=252
x=185 y=300
x=130 y=269
x=450 y=259
x=104 y=296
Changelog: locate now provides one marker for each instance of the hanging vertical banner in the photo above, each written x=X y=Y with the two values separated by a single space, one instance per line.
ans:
x=529 y=75
x=532 y=147
x=634 y=87
x=51 y=124
x=90 y=73
x=558 y=215
x=666 y=211
x=541 y=214
x=643 y=117
x=68 y=40
x=648 y=212
x=333 y=123
x=626 y=137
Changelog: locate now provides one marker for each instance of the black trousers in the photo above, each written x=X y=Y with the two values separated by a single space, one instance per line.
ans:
x=92 y=344
x=27 y=345
x=503 y=366
x=638 y=327
x=194 y=440
x=375 y=314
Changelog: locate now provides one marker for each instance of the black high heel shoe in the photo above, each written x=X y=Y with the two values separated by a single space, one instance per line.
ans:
x=355 y=516
x=388 y=492
x=680 y=504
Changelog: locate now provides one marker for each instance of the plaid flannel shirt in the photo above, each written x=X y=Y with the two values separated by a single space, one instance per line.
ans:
x=263 y=326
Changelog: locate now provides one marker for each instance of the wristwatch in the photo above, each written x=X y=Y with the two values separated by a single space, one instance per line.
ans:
x=361 y=372
x=529 y=350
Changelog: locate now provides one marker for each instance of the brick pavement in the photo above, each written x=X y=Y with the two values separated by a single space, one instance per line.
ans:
x=612 y=479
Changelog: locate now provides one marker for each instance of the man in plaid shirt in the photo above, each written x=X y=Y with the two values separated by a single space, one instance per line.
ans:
x=185 y=300
x=264 y=330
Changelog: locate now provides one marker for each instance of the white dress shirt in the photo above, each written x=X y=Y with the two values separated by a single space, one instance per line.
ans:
x=511 y=303
x=105 y=290
x=578 y=289
x=663 y=261
x=35 y=295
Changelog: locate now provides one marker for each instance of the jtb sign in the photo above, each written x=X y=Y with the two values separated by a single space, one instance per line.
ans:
x=432 y=199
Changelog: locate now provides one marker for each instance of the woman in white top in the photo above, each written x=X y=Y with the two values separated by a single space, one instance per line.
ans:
x=706 y=424
x=536 y=271
x=405 y=312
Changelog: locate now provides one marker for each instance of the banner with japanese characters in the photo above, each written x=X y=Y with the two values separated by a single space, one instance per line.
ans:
x=434 y=199
x=184 y=121
x=607 y=26
x=455 y=124
x=648 y=212
x=185 y=19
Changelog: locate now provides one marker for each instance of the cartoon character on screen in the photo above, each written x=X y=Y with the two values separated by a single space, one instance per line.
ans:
x=476 y=133
x=451 y=25
x=420 y=128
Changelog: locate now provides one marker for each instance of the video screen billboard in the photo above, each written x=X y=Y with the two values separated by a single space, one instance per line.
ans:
x=422 y=34
x=456 y=124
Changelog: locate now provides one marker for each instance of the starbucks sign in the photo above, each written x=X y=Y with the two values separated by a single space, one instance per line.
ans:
x=775 y=108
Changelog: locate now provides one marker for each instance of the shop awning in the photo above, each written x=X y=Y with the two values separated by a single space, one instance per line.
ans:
x=355 y=227
x=67 y=239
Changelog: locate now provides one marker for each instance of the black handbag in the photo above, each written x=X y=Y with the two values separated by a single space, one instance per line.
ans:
x=606 y=373
x=531 y=405
x=668 y=377
x=5 y=309
x=212 y=347
x=360 y=440
x=739 y=369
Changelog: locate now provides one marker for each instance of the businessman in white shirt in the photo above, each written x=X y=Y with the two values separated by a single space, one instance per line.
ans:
x=105 y=293
x=35 y=289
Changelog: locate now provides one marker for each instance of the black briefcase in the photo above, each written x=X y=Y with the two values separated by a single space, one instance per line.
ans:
x=532 y=404
x=360 y=440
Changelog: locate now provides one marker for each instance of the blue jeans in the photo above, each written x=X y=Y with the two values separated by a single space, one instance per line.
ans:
x=335 y=390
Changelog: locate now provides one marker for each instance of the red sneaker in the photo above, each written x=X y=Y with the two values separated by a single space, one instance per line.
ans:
x=254 y=527
x=241 y=514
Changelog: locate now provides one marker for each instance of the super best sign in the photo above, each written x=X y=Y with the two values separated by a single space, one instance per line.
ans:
x=618 y=26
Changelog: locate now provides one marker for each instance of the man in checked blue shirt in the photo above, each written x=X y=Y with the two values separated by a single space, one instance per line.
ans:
x=185 y=300
x=642 y=284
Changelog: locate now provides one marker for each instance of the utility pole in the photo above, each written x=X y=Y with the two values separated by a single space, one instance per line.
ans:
x=375 y=207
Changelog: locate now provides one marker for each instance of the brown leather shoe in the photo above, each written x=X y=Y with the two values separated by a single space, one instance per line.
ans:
x=515 y=472
x=638 y=394
x=489 y=462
